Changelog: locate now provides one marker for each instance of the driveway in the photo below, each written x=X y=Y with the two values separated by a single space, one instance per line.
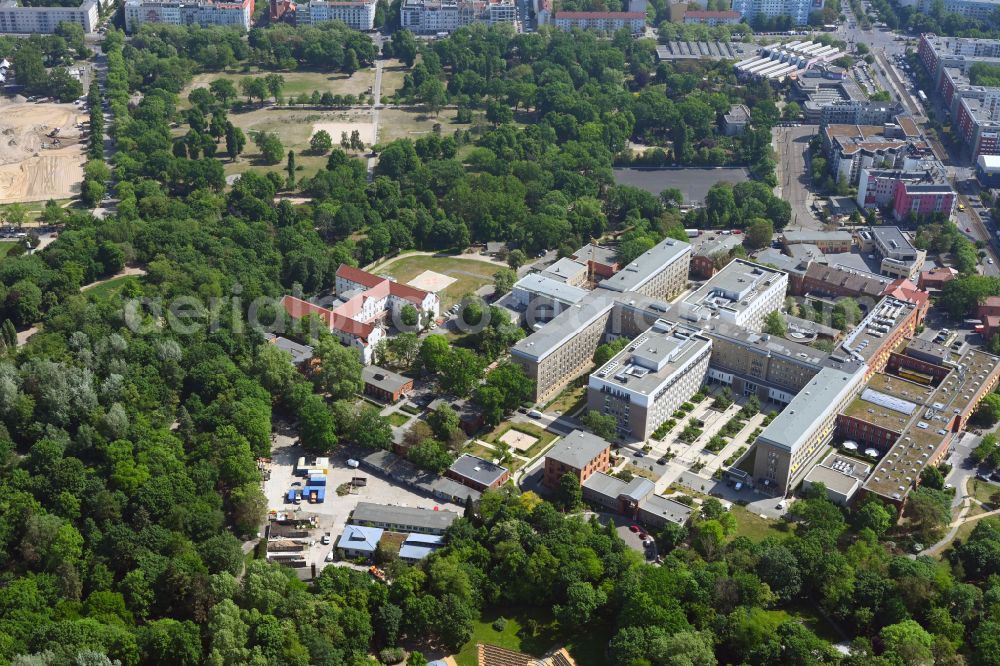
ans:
x=791 y=145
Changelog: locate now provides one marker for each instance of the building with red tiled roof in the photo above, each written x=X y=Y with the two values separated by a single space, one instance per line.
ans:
x=905 y=290
x=366 y=300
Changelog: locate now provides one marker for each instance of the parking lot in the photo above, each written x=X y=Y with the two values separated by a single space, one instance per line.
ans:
x=331 y=515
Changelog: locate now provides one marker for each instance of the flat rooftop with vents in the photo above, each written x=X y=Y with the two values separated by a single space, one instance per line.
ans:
x=652 y=360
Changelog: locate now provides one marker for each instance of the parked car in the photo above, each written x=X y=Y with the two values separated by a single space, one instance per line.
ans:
x=351 y=462
x=326 y=539
x=534 y=413
x=633 y=528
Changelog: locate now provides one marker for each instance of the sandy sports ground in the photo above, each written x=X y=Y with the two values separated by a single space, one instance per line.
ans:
x=365 y=130
x=41 y=152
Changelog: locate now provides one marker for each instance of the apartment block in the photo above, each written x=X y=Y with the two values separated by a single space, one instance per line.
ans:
x=357 y=15
x=797 y=10
x=44 y=20
x=436 y=16
x=851 y=148
x=187 y=12
x=922 y=189
x=711 y=17
x=634 y=22
x=646 y=382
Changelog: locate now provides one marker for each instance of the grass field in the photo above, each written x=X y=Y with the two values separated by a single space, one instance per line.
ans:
x=401 y=124
x=983 y=491
x=754 y=527
x=469 y=274
x=392 y=77
x=5 y=247
x=396 y=419
x=571 y=399
x=110 y=287
x=533 y=632
x=545 y=438
x=296 y=83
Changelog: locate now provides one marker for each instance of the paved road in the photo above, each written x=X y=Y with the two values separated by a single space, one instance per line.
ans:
x=791 y=145
x=377 y=107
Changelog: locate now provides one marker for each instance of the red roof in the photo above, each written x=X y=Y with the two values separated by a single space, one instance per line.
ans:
x=624 y=16
x=709 y=14
x=297 y=309
x=370 y=281
x=905 y=290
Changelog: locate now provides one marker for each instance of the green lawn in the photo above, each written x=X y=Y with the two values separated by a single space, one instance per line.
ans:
x=983 y=491
x=469 y=274
x=296 y=83
x=396 y=419
x=534 y=632
x=545 y=438
x=5 y=247
x=754 y=527
x=572 y=399
x=110 y=287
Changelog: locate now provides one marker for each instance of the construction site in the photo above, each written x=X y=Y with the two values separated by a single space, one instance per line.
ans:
x=42 y=150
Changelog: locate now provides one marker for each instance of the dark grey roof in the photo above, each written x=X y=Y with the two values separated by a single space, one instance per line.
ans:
x=646 y=265
x=387 y=380
x=300 y=352
x=613 y=488
x=577 y=449
x=664 y=508
x=366 y=512
x=478 y=469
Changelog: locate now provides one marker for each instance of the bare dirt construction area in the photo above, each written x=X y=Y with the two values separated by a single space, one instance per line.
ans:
x=41 y=154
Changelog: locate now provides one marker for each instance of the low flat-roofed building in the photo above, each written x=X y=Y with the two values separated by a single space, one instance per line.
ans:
x=742 y=293
x=827 y=241
x=602 y=261
x=541 y=297
x=300 y=353
x=656 y=511
x=936 y=278
x=703 y=258
x=579 y=453
x=477 y=472
x=418 y=546
x=899 y=257
x=927 y=350
x=385 y=385
x=359 y=540
x=613 y=493
x=786 y=449
x=402 y=518
x=567 y=270
x=840 y=487
x=736 y=122
x=642 y=385
x=939 y=413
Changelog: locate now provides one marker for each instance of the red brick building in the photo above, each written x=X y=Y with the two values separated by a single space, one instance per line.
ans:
x=579 y=453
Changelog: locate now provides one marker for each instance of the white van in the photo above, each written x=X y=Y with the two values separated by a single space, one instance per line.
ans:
x=351 y=462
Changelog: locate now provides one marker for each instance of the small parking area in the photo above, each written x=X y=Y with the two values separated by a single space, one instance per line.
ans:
x=331 y=515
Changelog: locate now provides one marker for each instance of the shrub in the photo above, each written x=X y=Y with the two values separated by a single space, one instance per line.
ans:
x=392 y=655
x=499 y=624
